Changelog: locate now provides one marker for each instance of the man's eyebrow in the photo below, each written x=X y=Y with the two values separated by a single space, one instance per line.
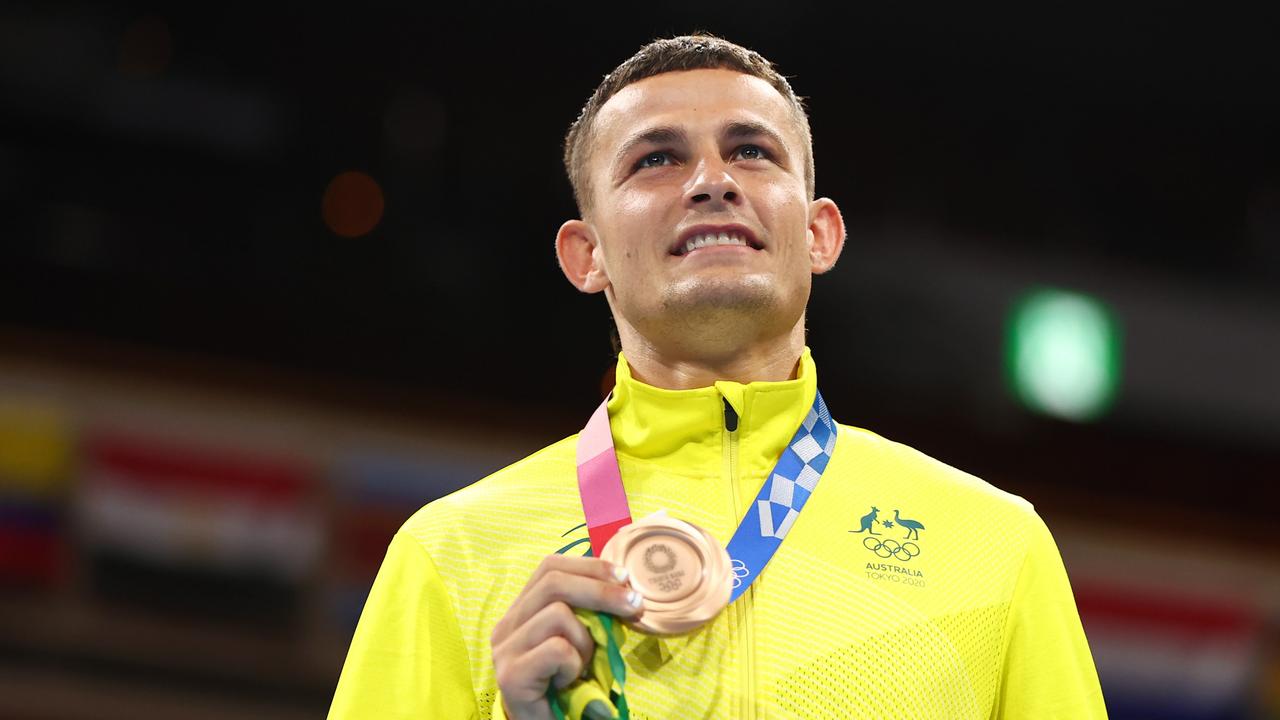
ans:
x=662 y=135
x=743 y=129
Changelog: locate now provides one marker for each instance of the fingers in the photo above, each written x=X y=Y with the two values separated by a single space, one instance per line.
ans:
x=599 y=591
x=541 y=640
x=585 y=566
x=555 y=647
x=554 y=620
x=558 y=658
x=581 y=582
x=564 y=579
x=523 y=679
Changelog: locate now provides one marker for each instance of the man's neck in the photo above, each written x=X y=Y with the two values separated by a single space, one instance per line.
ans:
x=768 y=360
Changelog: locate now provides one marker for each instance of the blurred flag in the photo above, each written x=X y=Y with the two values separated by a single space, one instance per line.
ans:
x=1165 y=656
x=243 y=526
x=36 y=445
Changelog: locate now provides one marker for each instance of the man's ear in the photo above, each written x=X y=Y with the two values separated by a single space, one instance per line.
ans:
x=826 y=234
x=580 y=256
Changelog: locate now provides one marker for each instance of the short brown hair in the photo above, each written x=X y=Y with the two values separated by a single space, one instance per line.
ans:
x=687 y=52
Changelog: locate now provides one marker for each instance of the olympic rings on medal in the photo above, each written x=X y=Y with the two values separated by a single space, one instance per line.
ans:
x=891 y=548
x=739 y=571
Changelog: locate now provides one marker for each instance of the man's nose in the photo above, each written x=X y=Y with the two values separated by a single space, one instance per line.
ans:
x=712 y=187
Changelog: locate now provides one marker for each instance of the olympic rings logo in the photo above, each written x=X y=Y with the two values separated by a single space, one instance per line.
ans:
x=739 y=571
x=659 y=558
x=891 y=549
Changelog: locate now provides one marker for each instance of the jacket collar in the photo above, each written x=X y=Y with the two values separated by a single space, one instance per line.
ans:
x=684 y=430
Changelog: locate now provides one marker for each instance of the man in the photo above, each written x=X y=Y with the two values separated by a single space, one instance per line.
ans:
x=903 y=589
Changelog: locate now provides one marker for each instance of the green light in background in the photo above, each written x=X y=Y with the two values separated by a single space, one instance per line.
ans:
x=1062 y=354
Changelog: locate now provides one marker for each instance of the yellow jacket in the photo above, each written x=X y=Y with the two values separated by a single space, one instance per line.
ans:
x=906 y=589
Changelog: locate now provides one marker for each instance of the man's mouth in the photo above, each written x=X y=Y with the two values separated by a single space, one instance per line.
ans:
x=703 y=237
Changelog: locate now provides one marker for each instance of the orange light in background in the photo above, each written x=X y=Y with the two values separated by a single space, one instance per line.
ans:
x=146 y=46
x=352 y=204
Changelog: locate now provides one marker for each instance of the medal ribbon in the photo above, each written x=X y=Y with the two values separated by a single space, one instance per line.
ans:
x=783 y=495
x=781 y=498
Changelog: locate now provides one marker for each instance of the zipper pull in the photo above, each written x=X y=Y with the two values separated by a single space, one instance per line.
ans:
x=730 y=417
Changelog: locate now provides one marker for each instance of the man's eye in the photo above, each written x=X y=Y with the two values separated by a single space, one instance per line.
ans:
x=752 y=152
x=653 y=159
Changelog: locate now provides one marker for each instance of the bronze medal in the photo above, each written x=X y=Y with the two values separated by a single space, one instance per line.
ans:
x=681 y=570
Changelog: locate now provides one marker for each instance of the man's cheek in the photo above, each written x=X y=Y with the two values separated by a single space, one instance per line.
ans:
x=634 y=206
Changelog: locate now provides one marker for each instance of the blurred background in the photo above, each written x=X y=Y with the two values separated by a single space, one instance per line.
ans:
x=273 y=276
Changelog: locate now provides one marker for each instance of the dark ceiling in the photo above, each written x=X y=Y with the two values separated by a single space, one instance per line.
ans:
x=162 y=168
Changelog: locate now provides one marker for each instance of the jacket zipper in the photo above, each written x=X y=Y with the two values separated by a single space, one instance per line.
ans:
x=744 y=604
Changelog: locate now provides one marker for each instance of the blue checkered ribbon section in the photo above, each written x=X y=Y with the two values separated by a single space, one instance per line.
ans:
x=782 y=496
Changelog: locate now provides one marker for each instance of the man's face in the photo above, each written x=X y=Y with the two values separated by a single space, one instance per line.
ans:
x=699 y=203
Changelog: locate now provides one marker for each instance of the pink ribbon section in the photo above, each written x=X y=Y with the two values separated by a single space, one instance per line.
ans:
x=604 y=502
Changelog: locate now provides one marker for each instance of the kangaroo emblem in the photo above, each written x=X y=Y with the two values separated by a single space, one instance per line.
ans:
x=869 y=522
x=913 y=527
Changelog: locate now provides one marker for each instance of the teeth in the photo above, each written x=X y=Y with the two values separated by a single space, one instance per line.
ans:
x=706 y=239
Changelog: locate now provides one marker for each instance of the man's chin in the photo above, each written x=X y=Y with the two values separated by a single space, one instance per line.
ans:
x=749 y=295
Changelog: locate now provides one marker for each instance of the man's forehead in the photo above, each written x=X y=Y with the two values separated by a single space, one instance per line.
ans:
x=702 y=97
